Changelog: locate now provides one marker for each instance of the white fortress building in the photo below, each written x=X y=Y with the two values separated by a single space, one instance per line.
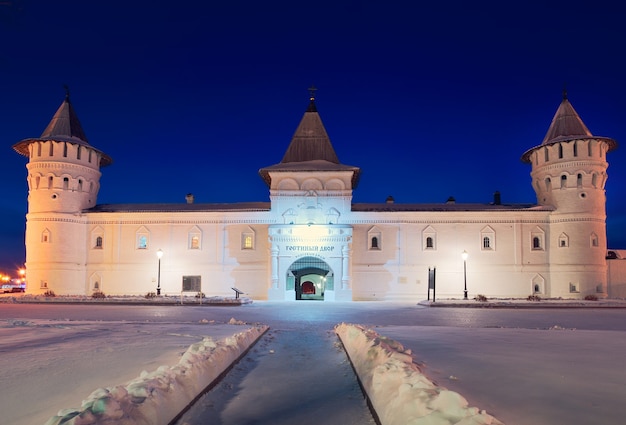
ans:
x=310 y=241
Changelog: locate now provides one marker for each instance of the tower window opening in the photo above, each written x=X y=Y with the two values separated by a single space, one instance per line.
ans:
x=80 y=185
x=575 y=147
x=548 y=184
x=98 y=242
x=594 y=180
x=560 y=151
x=563 y=182
x=64 y=150
x=579 y=181
x=546 y=154
x=78 y=152
x=89 y=156
x=486 y=242
x=375 y=242
x=50 y=181
x=51 y=153
x=66 y=183
x=429 y=243
x=39 y=149
x=589 y=149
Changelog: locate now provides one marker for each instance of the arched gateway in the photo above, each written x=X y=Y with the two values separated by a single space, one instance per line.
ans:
x=309 y=278
x=310 y=262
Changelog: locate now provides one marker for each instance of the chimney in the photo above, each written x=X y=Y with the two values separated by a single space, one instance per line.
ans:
x=189 y=198
x=390 y=199
x=497 y=200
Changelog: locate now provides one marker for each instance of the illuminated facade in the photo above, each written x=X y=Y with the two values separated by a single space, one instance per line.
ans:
x=311 y=241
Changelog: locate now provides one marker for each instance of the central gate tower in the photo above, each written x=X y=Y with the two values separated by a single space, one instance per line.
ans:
x=310 y=191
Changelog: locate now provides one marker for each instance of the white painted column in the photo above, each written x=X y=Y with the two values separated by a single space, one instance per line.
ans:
x=345 y=263
x=274 y=267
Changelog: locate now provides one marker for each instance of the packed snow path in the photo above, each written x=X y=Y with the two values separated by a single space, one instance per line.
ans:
x=291 y=376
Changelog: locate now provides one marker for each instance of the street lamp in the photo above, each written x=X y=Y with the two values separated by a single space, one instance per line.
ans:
x=159 y=255
x=464 y=255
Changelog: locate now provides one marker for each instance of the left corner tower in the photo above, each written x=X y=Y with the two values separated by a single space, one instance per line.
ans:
x=63 y=168
x=63 y=180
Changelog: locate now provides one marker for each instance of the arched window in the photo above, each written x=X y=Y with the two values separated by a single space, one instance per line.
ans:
x=374 y=242
x=429 y=243
x=548 y=184
x=98 y=242
x=594 y=180
x=50 y=180
x=80 y=185
x=537 y=289
x=579 y=181
x=142 y=242
x=486 y=242
x=66 y=183
x=247 y=240
x=536 y=242
x=563 y=182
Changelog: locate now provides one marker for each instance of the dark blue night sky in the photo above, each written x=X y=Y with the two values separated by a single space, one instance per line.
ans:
x=430 y=99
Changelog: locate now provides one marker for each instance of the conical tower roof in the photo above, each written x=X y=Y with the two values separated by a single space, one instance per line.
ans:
x=310 y=141
x=567 y=125
x=64 y=127
x=310 y=149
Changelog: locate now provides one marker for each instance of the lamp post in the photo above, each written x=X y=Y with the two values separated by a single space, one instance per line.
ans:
x=464 y=255
x=159 y=255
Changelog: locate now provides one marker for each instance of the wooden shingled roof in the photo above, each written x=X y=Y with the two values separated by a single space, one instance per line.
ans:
x=310 y=150
x=567 y=125
x=63 y=127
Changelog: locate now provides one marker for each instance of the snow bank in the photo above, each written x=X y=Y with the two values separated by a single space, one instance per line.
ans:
x=157 y=397
x=398 y=391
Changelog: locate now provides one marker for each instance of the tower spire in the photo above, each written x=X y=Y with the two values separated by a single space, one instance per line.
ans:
x=312 y=107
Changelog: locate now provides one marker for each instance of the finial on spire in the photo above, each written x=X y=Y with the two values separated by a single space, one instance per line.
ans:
x=67 y=92
x=564 y=91
x=312 y=91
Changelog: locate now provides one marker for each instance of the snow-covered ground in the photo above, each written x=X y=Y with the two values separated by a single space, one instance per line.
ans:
x=522 y=376
x=398 y=390
x=129 y=373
